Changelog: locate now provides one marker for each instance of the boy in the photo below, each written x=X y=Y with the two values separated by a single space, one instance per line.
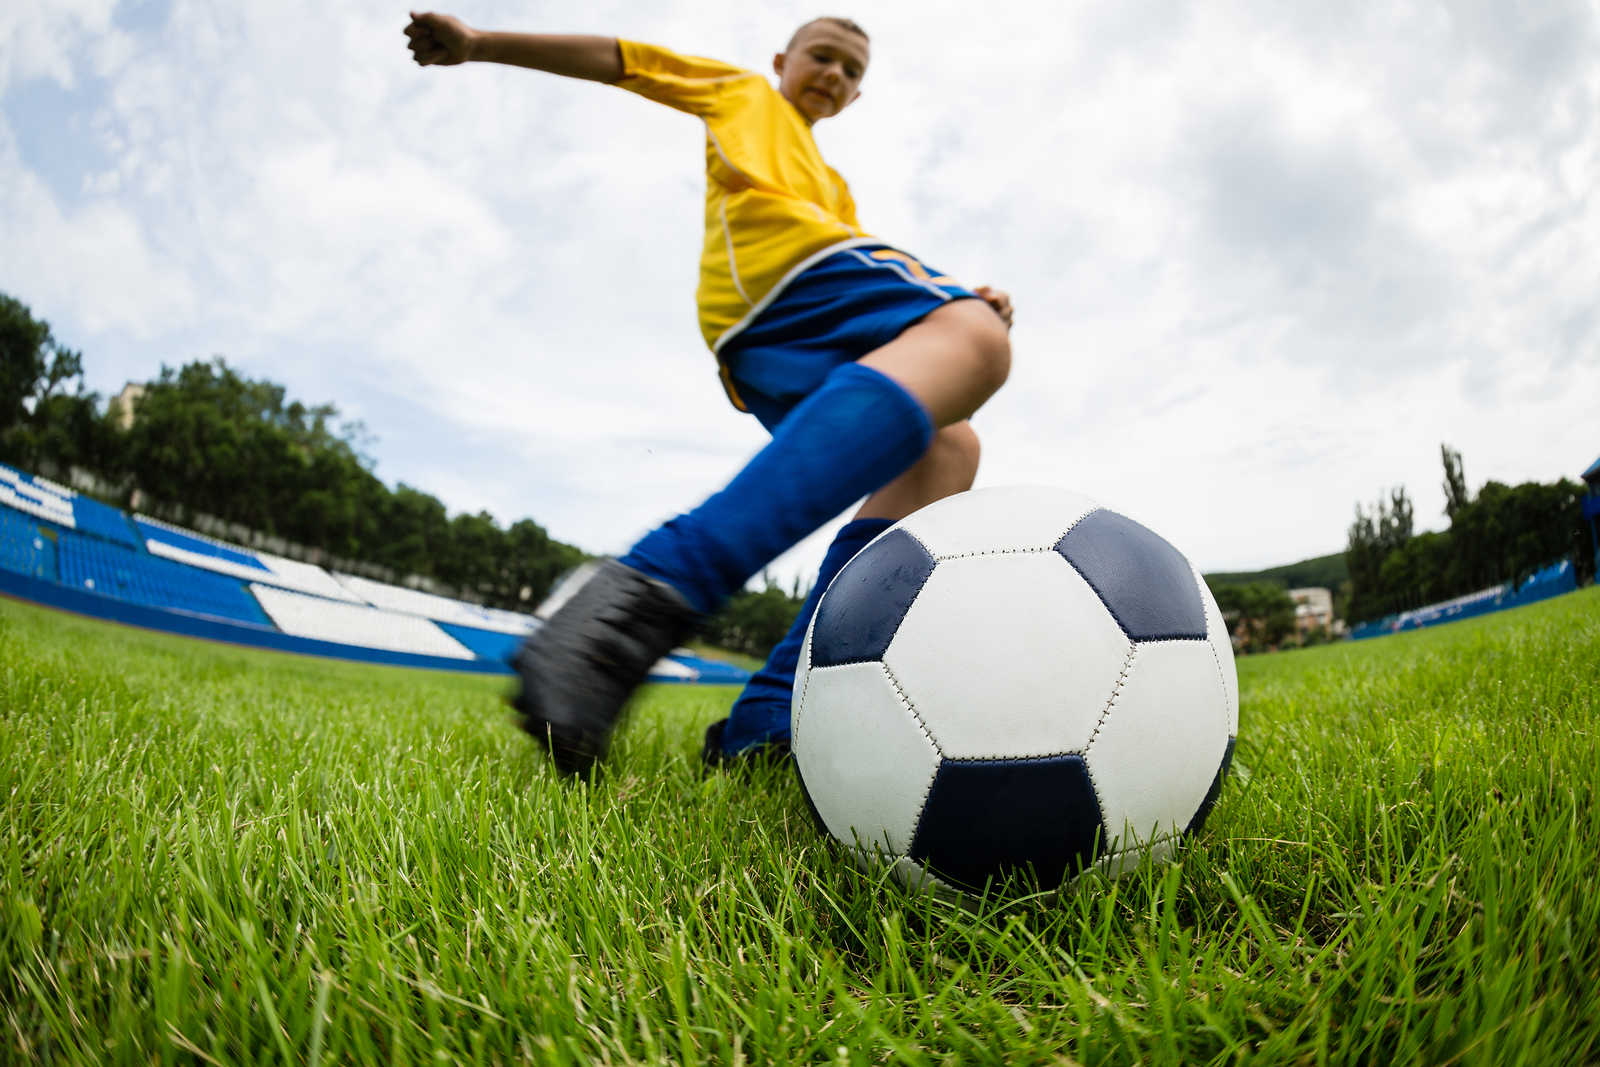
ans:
x=862 y=363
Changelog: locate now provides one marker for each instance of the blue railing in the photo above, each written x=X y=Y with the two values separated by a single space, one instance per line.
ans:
x=1554 y=580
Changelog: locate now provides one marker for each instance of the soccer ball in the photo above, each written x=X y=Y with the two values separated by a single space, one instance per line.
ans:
x=1014 y=681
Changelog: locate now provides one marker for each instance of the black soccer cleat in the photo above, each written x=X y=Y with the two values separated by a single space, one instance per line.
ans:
x=593 y=651
x=713 y=758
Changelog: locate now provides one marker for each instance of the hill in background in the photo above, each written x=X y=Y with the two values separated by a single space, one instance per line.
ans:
x=1329 y=572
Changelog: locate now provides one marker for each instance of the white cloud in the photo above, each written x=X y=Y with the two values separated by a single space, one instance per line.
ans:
x=39 y=38
x=1265 y=257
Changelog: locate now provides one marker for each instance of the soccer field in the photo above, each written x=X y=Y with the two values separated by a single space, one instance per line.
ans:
x=225 y=856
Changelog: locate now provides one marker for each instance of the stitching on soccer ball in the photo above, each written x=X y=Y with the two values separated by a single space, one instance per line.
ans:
x=1222 y=675
x=1051 y=547
x=996 y=552
x=1116 y=691
x=922 y=805
x=799 y=704
x=1017 y=759
x=911 y=534
x=1222 y=679
x=1088 y=764
x=901 y=693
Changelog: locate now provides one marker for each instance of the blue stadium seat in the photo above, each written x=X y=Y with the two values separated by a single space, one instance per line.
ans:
x=191 y=543
x=487 y=644
x=111 y=570
x=23 y=546
x=102 y=520
x=48 y=501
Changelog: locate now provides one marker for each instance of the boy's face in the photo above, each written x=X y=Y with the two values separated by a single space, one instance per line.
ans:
x=821 y=72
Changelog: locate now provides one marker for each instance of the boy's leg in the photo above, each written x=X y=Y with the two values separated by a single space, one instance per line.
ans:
x=952 y=361
x=851 y=437
x=864 y=427
x=761 y=714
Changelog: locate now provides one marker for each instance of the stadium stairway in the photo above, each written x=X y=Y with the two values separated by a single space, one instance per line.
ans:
x=68 y=551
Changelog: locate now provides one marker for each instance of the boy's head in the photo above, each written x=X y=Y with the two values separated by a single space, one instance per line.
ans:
x=820 y=73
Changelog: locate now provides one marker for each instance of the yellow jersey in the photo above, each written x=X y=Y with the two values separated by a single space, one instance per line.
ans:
x=773 y=207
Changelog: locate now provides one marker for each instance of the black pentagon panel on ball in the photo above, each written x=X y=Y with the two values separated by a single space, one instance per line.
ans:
x=988 y=819
x=1198 y=823
x=1148 y=586
x=864 y=606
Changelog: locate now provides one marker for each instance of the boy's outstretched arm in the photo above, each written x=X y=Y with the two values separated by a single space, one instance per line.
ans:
x=444 y=41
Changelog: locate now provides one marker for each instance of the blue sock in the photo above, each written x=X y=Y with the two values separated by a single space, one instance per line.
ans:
x=858 y=432
x=761 y=713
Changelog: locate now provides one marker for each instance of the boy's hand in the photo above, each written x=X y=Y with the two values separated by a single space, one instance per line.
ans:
x=439 y=40
x=444 y=41
x=1001 y=302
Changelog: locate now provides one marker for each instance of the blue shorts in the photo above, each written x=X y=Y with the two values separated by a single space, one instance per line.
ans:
x=833 y=313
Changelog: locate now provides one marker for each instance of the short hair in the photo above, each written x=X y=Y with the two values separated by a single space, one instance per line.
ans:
x=848 y=25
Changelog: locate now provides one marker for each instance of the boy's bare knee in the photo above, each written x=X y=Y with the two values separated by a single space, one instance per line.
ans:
x=959 y=450
x=948 y=467
x=987 y=343
x=952 y=361
x=991 y=345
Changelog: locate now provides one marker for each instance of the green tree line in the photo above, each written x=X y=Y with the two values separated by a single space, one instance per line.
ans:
x=203 y=438
x=752 y=620
x=1504 y=533
x=1260 y=614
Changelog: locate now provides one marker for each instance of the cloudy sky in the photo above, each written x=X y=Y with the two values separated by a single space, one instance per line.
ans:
x=1266 y=256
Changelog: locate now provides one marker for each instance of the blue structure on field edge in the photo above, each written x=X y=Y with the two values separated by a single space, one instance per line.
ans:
x=1552 y=581
x=1591 y=507
x=63 y=550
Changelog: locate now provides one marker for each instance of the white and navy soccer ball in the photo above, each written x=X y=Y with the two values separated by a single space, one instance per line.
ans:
x=1015 y=680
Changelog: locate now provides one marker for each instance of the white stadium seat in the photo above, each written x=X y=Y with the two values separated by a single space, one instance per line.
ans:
x=305 y=577
x=438 y=608
x=352 y=624
x=36 y=497
x=285 y=573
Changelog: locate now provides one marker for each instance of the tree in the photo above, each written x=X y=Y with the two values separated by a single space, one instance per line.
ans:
x=1373 y=536
x=1503 y=534
x=38 y=418
x=205 y=438
x=211 y=440
x=1508 y=532
x=1260 y=614
x=753 y=622
x=1456 y=495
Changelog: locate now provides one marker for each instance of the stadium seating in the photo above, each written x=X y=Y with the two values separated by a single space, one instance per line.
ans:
x=121 y=573
x=438 y=608
x=183 y=546
x=352 y=624
x=193 y=543
x=24 y=548
x=306 y=578
x=41 y=499
x=51 y=534
x=45 y=499
x=101 y=520
x=487 y=644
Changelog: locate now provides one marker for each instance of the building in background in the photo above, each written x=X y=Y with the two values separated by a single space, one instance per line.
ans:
x=122 y=405
x=1313 y=612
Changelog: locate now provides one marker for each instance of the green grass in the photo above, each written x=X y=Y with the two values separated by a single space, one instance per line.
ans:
x=235 y=857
